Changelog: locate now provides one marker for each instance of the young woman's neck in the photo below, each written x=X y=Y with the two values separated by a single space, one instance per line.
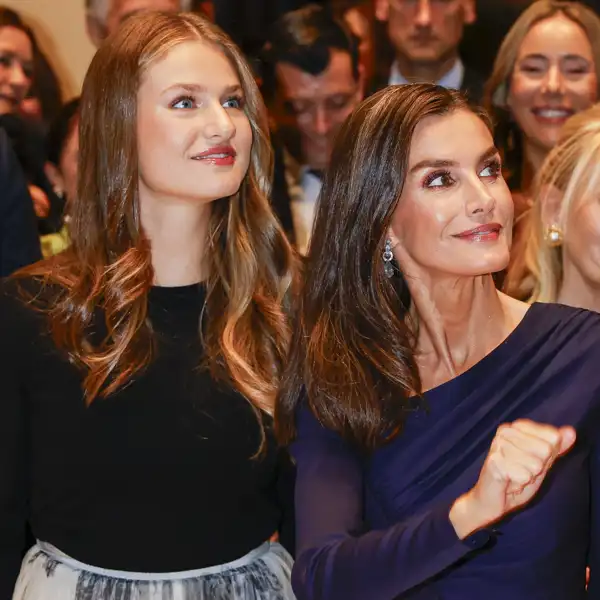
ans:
x=178 y=234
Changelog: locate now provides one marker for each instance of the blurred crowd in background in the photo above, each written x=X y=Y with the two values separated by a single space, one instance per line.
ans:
x=532 y=65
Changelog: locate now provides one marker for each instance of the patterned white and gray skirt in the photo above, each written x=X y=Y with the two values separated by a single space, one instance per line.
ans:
x=48 y=574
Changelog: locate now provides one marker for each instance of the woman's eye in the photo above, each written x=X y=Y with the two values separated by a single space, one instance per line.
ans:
x=438 y=180
x=531 y=69
x=492 y=170
x=234 y=102
x=185 y=103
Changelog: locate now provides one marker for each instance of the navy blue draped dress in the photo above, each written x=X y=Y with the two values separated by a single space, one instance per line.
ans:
x=376 y=527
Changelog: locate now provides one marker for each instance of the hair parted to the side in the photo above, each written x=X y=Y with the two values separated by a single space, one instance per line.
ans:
x=508 y=135
x=352 y=354
x=573 y=170
x=108 y=265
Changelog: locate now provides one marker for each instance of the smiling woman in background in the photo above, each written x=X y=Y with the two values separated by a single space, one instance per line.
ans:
x=17 y=48
x=18 y=55
x=135 y=433
x=546 y=70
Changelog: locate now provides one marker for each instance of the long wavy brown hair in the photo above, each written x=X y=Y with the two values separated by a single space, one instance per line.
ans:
x=108 y=265
x=352 y=357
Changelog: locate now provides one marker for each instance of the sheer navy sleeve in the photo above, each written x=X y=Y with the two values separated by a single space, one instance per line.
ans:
x=335 y=559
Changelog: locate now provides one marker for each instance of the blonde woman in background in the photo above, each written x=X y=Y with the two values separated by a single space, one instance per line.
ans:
x=547 y=70
x=561 y=258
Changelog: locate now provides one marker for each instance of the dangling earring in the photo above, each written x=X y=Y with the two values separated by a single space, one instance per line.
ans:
x=553 y=236
x=388 y=268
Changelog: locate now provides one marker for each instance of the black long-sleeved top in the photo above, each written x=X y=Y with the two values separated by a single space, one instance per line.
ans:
x=157 y=478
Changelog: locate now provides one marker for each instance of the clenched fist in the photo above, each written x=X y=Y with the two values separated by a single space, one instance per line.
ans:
x=521 y=455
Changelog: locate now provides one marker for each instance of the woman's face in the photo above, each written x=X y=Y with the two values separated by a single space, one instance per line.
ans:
x=194 y=138
x=581 y=246
x=64 y=175
x=454 y=216
x=16 y=68
x=554 y=77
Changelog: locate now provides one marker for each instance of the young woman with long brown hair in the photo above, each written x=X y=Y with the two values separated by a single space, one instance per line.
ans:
x=425 y=409
x=139 y=367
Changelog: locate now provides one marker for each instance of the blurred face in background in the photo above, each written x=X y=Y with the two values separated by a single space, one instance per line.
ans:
x=360 y=26
x=123 y=9
x=69 y=160
x=425 y=32
x=16 y=68
x=64 y=174
x=581 y=245
x=310 y=109
x=554 y=78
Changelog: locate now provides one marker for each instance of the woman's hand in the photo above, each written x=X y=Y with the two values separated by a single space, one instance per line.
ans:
x=519 y=459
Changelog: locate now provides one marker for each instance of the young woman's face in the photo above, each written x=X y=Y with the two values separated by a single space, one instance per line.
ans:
x=194 y=137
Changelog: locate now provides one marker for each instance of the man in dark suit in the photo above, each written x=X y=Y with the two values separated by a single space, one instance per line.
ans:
x=19 y=242
x=313 y=80
x=425 y=36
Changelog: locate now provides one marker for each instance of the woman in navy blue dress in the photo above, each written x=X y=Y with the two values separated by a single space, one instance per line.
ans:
x=444 y=433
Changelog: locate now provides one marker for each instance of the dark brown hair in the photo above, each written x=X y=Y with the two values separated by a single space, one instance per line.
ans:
x=10 y=18
x=305 y=39
x=108 y=265
x=352 y=355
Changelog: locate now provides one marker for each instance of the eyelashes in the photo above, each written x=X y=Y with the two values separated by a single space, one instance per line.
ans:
x=443 y=179
x=238 y=101
x=494 y=167
x=183 y=102
x=188 y=102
